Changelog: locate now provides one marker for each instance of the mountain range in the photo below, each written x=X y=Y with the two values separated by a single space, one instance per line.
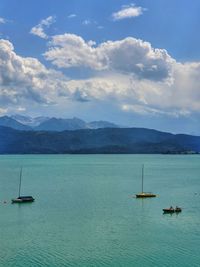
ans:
x=26 y=123
x=104 y=140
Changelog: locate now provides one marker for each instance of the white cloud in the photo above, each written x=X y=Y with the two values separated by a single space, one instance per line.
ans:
x=129 y=76
x=100 y=27
x=70 y=50
x=38 y=30
x=21 y=109
x=179 y=98
x=130 y=71
x=149 y=111
x=3 y=111
x=86 y=22
x=2 y=20
x=71 y=16
x=130 y=11
x=130 y=55
x=26 y=79
x=102 y=87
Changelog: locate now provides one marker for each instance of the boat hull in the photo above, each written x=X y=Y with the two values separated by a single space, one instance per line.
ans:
x=145 y=195
x=177 y=210
x=23 y=199
x=168 y=210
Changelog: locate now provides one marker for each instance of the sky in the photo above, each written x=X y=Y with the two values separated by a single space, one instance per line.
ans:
x=134 y=63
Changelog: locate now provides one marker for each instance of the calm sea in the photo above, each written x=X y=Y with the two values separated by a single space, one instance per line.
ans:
x=85 y=213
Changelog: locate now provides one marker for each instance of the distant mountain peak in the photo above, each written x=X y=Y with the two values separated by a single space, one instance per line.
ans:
x=12 y=123
x=41 y=123
x=27 y=120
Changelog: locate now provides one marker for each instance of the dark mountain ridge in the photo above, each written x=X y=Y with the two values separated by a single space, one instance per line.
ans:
x=108 y=140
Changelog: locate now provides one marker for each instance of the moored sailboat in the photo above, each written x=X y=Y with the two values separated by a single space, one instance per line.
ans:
x=22 y=199
x=144 y=194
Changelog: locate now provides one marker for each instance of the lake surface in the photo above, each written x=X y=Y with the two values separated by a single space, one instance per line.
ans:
x=85 y=213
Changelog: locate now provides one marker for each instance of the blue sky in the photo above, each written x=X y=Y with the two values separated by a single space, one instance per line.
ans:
x=135 y=63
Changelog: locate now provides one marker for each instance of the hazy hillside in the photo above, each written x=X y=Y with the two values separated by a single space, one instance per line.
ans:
x=55 y=124
x=101 y=124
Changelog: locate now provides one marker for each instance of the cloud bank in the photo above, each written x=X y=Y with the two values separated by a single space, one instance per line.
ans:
x=141 y=79
x=128 y=75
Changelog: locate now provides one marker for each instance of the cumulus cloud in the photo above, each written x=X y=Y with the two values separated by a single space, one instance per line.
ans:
x=129 y=11
x=70 y=50
x=130 y=55
x=38 y=30
x=26 y=79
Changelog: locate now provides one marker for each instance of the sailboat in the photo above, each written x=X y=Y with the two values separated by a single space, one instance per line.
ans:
x=22 y=199
x=144 y=194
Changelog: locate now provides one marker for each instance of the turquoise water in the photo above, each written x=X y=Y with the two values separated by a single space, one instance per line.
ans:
x=85 y=213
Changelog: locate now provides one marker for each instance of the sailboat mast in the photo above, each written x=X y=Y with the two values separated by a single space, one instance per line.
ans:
x=20 y=180
x=142 y=178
